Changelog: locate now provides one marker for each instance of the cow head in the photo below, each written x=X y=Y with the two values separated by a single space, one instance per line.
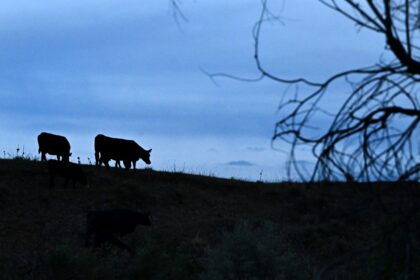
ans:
x=146 y=156
x=66 y=158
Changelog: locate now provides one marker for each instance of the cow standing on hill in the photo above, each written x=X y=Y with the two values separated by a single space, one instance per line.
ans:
x=54 y=145
x=106 y=225
x=68 y=170
x=128 y=151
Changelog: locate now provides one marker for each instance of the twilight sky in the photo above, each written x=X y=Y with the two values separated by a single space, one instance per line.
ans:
x=125 y=69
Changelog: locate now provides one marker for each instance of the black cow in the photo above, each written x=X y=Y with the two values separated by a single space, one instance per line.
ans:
x=68 y=170
x=107 y=148
x=104 y=226
x=54 y=145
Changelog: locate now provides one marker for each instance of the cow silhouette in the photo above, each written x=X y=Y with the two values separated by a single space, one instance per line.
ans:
x=67 y=170
x=54 y=145
x=105 y=226
x=128 y=151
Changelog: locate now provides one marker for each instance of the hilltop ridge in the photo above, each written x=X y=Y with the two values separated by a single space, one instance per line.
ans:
x=191 y=211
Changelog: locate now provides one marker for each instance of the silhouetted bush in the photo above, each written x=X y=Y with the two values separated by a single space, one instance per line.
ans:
x=254 y=253
x=66 y=263
x=392 y=257
x=153 y=261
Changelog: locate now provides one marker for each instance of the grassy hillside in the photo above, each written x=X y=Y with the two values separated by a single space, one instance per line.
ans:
x=196 y=219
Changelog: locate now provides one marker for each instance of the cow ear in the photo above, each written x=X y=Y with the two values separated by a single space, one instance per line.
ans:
x=69 y=154
x=149 y=151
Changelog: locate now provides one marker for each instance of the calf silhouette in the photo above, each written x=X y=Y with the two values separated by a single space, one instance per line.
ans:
x=104 y=226
x=68 y=170
x=54 y=145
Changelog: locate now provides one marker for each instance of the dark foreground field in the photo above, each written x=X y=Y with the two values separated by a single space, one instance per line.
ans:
x=206 y=228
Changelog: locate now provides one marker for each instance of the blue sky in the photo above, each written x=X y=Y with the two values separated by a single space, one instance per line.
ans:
x=125 y=69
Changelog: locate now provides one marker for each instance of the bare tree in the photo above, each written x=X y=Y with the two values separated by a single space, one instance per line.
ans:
x=372 y=133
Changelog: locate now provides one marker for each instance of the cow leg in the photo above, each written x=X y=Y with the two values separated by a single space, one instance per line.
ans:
x=52 y=178
x=43 y=157
x=100 y=238
x=127 y=164
x=115 y=241
x=58 y=157
x=134 y=164
x=97 y=159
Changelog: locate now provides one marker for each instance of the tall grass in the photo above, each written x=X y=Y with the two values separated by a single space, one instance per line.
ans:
x=255 y=253
x=20 y=154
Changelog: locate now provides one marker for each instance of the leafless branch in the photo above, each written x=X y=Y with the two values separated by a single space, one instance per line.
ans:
x=370 y=137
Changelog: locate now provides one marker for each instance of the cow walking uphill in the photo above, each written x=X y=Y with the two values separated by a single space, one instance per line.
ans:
x=104 y=226
x=54 y=145
x=128 y=151
x=67 y=170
